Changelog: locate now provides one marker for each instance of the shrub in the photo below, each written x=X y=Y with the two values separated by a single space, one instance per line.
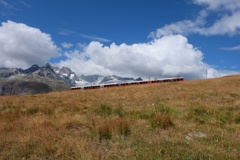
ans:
x=111 y=127
x=119 y=111
x=47 y=110
x=32 y=110
x=147 y=114
x=201 y=114
x=104 y=132
x=73 y=125
x=237 y=120
x=162 y=121
x=164 y=109
x=104 y=110
x=123 y=127
x=200 y=111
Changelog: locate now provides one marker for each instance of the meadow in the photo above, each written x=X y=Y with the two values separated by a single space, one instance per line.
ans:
x=180 y=120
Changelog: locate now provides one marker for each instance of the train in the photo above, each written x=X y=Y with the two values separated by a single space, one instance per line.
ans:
x=111 y=85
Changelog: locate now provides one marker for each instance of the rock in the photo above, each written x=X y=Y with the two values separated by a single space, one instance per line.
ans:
x=196 y=135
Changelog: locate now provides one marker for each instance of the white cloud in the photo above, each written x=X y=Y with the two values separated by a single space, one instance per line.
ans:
x=66 y=32
x=6 y=4
x=220 y=4
x=213 y=73
x=232 y=48
x=66 y=45
x=5 y=8
x=164 y=57
x=227 y=24
x=26 y=4
x=22 y=46
x=95 y=38
x=167 y=56
x=182 y=27
x=81 y=45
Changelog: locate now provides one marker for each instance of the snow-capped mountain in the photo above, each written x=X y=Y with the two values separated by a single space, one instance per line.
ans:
x=115 y=79
x=48 y=78
x=98 y=79
x=92 y=78
x=66 y=74
x=32 y=80
x=89 y=80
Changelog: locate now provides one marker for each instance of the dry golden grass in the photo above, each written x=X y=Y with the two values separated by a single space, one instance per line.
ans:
x=183 y=120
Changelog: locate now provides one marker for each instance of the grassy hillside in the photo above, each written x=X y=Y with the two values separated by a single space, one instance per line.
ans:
x=183 y=120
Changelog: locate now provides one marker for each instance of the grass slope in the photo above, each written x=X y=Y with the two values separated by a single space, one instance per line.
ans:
x=184 y=120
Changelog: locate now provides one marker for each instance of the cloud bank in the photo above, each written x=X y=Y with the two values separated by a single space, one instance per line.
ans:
x=235 y=48
x=228 y=11
x=23 y=46
x=231 y=5
x=167 y=56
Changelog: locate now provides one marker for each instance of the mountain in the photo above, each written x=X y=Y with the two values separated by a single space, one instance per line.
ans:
x=115 y=79
x=30 y=81
x=8 y=72
x=98 y=79
x=14 y=81
x=23 y=87
x=30 y=70
x=91 y=78
x=66 y=74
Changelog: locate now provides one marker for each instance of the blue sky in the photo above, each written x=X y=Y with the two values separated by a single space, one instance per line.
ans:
x=129 y=38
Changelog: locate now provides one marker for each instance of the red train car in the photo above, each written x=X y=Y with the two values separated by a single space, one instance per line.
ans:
x=110 y=85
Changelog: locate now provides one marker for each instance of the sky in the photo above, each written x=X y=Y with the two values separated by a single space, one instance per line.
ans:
x=195 y=39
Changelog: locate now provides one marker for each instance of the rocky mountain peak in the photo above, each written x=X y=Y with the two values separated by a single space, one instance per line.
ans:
x=30 y=70
x=47 y=71
x=35 y=66
x=139 y=79
x=66 y=74
x=32 y=80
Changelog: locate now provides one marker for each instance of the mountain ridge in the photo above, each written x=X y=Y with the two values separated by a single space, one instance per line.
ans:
x=35 y=79
x=15 y=81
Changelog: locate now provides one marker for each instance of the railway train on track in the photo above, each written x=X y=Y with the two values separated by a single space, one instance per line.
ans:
x=110 y=85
